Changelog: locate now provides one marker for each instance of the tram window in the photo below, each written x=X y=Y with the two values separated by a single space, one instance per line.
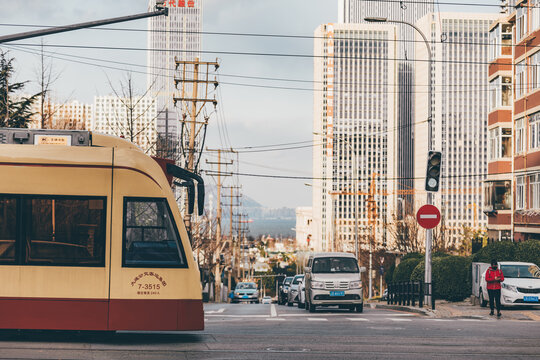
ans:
x=151 y=237
x=65 y=231
x=8 y=229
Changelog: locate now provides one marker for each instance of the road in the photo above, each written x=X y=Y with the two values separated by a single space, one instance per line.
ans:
x=263 y=331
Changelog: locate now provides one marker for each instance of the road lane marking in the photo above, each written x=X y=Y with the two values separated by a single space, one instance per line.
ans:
x=317 y=319
x=215 y=311
x=357 y=319
x=399 y=319
x=275 y=319
x=273 y=311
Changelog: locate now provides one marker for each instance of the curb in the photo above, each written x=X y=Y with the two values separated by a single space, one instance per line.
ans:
x=415 y=310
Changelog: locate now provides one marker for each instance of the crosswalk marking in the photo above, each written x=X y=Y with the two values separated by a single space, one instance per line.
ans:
x=273 y=311
x=357 y=319
x=399 y=319
x=275 y=319
x=317 y=319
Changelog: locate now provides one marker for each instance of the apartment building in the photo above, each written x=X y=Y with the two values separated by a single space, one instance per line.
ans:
x=68 y=115
x=524 y=20
x=498 y=203
x=130 y=118
x=354 y=109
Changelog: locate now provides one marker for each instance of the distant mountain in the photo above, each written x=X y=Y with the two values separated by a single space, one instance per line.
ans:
x=265 y=221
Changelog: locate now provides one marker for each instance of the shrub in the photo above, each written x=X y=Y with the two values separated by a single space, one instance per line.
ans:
x=528 y=251
x=452 y=278
x=404 y=269
x=389 y=274
x=450 y=274
x=500 y=250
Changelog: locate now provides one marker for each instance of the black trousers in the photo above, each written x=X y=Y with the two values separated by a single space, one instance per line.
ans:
x=495 y=296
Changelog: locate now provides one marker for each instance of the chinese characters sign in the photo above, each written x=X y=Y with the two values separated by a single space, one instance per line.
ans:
x=180 y=3
x=148 y=283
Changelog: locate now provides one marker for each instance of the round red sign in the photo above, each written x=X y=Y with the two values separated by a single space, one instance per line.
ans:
x=428 y=216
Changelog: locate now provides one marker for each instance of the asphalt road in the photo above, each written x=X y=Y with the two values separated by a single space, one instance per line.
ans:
x=262 y=331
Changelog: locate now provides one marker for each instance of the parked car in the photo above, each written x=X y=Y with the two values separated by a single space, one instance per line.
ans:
x=302 y=294
x=266 y=300
x=246 y=291
x=293 y=290
x=333 y=278
x=284 y=290
x=521 y=285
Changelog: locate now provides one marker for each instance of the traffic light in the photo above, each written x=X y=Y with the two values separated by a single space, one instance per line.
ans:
x=433 y=170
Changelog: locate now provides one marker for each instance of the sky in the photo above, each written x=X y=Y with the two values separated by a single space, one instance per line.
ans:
x=247 y=116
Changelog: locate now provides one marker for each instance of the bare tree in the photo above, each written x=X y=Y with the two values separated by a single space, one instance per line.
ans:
x=46 y=77
x=405 y=234
x=131 y=121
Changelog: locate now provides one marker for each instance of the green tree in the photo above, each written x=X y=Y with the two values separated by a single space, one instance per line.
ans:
x=15 y=111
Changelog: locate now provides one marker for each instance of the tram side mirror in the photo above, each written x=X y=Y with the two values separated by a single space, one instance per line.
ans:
x=200 y=197
x=188 y=176
x=191 y=193
x=363 y=269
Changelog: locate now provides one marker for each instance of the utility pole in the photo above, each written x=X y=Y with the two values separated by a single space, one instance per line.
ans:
x=191 y=108
x=217 y=255
x=232 y=246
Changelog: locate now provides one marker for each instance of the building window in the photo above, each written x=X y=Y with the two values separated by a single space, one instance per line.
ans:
x=534 y=64
x=521 y=23
x=494 y=43
x=520 y=192
x=520 y=136
x=534 y=191
x=500 y=143
x=521 y=78
x=498 y=195
x=534 y=131
x=500 y=90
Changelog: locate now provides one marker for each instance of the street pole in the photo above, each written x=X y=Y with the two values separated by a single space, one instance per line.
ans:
x=160 y=10
x=429 y=232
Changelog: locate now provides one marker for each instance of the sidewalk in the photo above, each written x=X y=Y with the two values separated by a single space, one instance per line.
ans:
x=464 y=310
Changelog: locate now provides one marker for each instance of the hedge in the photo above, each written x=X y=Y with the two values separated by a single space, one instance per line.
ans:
x=500 y=250
x=404 y=269
x=451 y=276
x=528 y=251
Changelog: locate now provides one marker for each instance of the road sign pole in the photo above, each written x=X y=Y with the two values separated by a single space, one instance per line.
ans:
x=429 y=245
x=428 y=216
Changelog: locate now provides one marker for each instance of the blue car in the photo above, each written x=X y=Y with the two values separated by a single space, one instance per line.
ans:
x=246 y=291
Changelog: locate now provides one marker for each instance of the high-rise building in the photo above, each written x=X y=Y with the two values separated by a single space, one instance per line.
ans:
x=177 y=36
x=67 y=115
x=355 y=11
x=130 y=118
x=354 y=112
x=459 y=43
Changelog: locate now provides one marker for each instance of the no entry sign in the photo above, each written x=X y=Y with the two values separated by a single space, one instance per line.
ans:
x=428 y=216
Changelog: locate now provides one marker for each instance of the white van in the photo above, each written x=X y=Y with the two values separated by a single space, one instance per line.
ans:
x=333 y=278
x=521 y=285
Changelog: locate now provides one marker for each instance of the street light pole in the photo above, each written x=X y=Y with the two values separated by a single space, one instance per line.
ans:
x=429 y=232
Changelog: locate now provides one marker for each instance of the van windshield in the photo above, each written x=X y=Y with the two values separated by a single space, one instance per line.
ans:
x=246 y=286
x=521 y=271
x=334 y=265
x=297 y=280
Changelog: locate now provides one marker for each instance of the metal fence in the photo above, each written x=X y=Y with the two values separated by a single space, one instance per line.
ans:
x=408 y=293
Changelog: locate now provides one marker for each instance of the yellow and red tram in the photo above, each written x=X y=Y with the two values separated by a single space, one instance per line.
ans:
x=91 y=237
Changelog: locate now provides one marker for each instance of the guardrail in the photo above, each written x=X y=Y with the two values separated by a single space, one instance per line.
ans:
x=407 y=293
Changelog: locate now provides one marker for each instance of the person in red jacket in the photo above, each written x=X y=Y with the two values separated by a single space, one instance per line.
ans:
x=494 y=278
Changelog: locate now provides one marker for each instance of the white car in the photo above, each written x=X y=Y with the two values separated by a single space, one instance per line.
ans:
x=302 y=295
x=266 y=300
x=521 y=285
